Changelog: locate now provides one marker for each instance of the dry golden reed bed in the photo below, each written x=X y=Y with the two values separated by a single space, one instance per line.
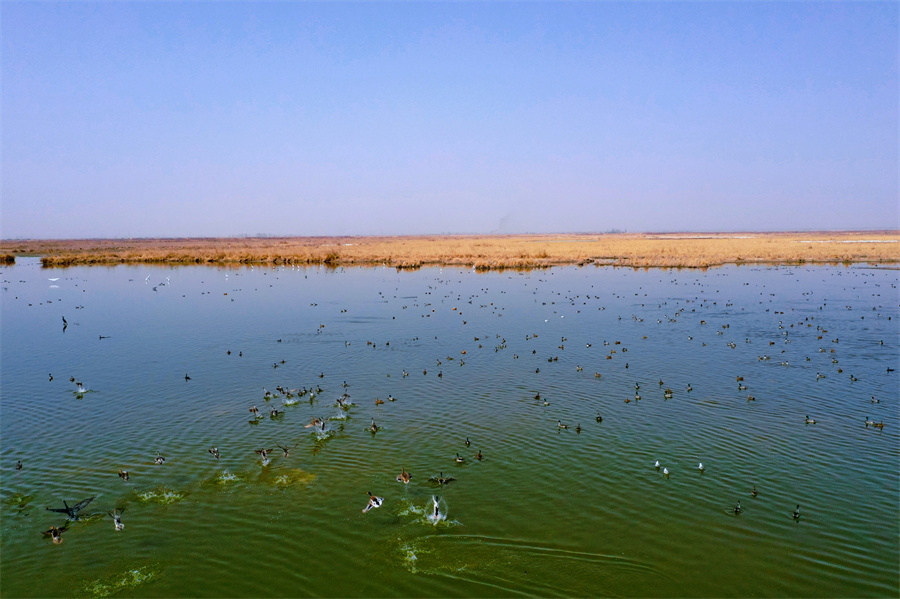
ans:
x=693 y=250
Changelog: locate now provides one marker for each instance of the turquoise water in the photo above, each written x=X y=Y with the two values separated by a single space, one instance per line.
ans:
x=548 y=511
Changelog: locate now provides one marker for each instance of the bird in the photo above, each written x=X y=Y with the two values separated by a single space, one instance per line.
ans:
x=796 y=514
x=459 y=458
x=373 y=427
x=700 y=467
x=373 y=502
x=656 y=465
x=561 y=425
x=123 y=474
x=71 y=512
x=435 y=507
x=186 y=377
x=264 y=454
x=404 y=476
x=443 y=480
x=868 y=421
x=18 y=464
x=738 y=509
x=467 y=442
x=286 y=450
x=479 y=456
x=214 y=451
x=754 y=492
x=578 y=428
x=116 y=515
x=810 y=420
x=159 y=459
x=666 y=471
x=599 y=417
x=56 y=533
x=879 y=424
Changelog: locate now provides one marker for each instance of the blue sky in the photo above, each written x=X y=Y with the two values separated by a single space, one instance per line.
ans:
x=294 y=118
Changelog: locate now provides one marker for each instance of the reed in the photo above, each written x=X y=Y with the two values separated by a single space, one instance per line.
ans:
x=481 y=252
x=7 y=258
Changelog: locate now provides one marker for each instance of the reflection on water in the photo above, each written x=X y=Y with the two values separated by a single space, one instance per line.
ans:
x=536 y=404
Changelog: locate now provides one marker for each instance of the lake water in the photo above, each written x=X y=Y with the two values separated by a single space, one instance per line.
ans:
x=547 y=511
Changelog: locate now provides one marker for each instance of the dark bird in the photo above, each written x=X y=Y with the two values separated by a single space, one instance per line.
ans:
x=738 y=509
x=186 y=377
x=404 y=476
x=159 y=459
x=442 y=480
x=754 y=492
x=797 y=512
x=478 y=455
x=18 y=464
x=214 y=451
x=123 y=474
x=286 y=450
x=72 y=512
x=65 y=324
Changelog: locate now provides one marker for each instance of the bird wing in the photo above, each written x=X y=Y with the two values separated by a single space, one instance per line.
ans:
x=81 y=504
x=59 y=510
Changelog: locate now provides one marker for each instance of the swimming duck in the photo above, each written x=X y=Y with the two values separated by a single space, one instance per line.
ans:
x=116 y=515
x=738 y=509
x=391 y=397
x=72 y=512
x=404 y=476
x=754 y=492
x=373 y=427
x=468 y=442
x=373 y=502
x=700 y=467
x=159 y=459
x=459 y=458
x=810 y=420
x=214 y=451
x=797 y=512
x=255 y=411
x=378 y=402
x=561 y=425
x=637 y=397
x=689 y=388
x=666 y=472
x=599 y=417
x=668 y=393
x=656 y=465
x=123 y=474
x=18 y=464
x=868 y=421
x=875 y=400
x=750 y=397
x=55 y=533
x=275 y=412
x=578 y=428
x=853 y=378
x=879 y=424
x=742 y=387
x=479 y=456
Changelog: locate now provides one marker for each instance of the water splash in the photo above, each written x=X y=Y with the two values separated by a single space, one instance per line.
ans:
x=161 y=495
x=130 y=579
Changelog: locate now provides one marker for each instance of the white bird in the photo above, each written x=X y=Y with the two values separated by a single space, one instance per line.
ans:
x=700 y=467
x=666 y=471
x=656 y=465
x=373 y=502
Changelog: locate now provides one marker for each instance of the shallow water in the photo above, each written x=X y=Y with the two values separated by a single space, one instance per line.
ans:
x=548 y=511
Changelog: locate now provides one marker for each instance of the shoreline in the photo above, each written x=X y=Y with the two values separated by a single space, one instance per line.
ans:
x=481 y=252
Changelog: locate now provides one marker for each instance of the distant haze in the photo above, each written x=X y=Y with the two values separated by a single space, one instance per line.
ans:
x=295 y=118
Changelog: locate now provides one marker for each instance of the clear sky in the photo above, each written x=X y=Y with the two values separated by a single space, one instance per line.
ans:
x=296 y=118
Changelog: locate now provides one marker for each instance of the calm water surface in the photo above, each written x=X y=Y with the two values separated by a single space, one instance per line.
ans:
x=547 y=512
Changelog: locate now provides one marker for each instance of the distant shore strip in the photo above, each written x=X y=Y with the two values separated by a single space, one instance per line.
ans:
x=481 y=252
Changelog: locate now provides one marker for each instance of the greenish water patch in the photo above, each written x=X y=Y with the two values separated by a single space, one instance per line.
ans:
x=130 y=579
x=291 y=477
x=19 y=503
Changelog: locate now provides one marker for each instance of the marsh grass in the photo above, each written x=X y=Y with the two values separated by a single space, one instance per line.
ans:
x=478 y=252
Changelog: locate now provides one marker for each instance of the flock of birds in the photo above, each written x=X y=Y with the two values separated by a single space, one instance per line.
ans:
x=290 y=397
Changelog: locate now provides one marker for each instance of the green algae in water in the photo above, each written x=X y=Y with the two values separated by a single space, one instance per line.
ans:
x=294 y=476
x=130 y=579
x=19 y=503
x=160 y=495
